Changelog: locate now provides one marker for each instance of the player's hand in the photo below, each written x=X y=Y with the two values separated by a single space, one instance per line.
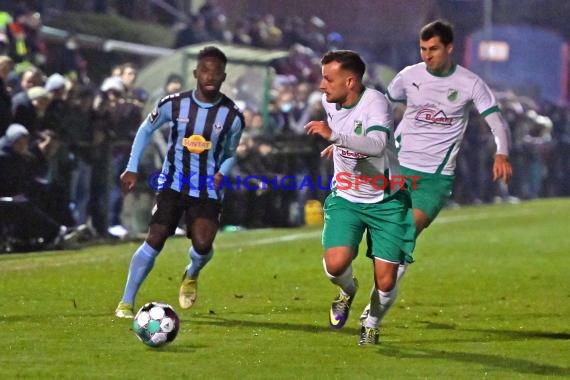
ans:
x=218 y=179
x=320 y=128
x=502 y=168
x=327 y=152
x=128 y=181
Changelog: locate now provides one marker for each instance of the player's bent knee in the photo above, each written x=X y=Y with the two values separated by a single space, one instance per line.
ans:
x=335 y=268
x=332 y=272
x=385 y=285
x=336 y=260
x=155 y=243
x=202 y=249
x=202 y=240
x=157 y=236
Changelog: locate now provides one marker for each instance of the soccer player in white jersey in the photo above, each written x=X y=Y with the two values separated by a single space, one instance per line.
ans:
x=437 y=94
x=359 y=123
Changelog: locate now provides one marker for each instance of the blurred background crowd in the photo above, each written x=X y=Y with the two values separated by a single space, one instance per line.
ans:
x=67 y=121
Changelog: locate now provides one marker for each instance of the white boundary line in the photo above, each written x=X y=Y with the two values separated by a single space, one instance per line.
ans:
x=78 y=259
x=480 y=216
x=84 y=258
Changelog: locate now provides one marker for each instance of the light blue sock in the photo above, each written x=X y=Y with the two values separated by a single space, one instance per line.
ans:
x=141 y=264
x=197 y=262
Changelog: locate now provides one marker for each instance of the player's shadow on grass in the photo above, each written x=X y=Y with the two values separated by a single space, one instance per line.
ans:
x=501 y=334
x=517 y=365
x=214 y=320
x=499 y=361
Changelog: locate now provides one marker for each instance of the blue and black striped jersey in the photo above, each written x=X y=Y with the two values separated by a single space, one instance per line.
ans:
x=202 y=141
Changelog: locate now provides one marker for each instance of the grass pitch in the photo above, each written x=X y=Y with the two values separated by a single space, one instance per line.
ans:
x=488 y=297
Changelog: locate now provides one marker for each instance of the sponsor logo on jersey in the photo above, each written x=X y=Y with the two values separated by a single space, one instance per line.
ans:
x=218 y=126
x=350 y=154
x=196 y=143
x=416 y=85
x=153 y=115
x=357 y=127
x=452 y=94
x=183 y=120
x=431 y=116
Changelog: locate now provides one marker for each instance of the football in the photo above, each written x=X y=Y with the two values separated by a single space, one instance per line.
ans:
x=156 y=324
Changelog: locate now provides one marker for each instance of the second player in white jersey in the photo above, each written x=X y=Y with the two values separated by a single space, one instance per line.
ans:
x=438 y=94
x=436 y=115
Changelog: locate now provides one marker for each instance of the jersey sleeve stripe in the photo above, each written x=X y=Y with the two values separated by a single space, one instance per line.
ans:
x=394 y=100
x=378 y=128
x=489 y=111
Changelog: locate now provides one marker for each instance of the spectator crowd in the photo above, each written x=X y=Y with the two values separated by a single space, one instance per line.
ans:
x=65 y=139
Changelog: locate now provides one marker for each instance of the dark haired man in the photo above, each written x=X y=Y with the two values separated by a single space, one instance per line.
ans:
x=437 y=94
x=205 y=128
x=359 y=123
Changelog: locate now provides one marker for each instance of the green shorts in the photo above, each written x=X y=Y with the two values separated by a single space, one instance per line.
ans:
x=430 y=192
x=390 y=222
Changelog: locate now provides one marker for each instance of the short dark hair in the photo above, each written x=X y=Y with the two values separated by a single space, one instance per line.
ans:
x=348 y=59
x=212 y=52
x=438 y=28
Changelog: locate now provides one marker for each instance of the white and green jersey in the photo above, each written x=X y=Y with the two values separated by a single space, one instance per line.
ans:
x=436 y=115
x=365 y=157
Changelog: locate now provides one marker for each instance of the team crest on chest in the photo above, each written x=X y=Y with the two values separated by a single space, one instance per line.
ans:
x=452 y=94
x=357 y=127
x=218 y=126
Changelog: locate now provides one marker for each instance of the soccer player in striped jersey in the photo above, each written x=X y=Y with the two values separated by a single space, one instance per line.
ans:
x=437 y=94
x=360 y=125
x=205 y=129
